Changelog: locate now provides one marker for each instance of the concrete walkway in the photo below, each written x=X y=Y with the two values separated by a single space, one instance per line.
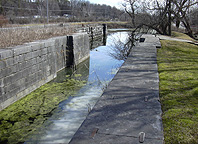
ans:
x=129 y=111
x=163 y=37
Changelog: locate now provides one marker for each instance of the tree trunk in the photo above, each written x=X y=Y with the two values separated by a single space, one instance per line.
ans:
x=188 y=28
x=169 y=18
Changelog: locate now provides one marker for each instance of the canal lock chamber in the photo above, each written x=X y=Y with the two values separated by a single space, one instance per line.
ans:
x=54 y=112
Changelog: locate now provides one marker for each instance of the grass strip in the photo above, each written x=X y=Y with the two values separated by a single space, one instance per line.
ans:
x=178 y=73
x=181 y=36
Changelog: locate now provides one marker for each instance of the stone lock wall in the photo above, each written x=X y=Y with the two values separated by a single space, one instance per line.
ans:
x=94 y=30
x=26 y=67
x=77 y=52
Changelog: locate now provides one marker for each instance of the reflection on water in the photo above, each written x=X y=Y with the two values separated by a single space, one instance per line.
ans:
x=98 y=41
x=98 y=71
x=121 y=47
x=82 y=69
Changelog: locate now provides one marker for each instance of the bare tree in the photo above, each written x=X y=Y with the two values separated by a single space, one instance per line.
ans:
x=160 y=15
x=131 y=6
x=181 y=10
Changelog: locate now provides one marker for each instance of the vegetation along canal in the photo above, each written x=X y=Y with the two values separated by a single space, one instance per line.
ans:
x=54 y=112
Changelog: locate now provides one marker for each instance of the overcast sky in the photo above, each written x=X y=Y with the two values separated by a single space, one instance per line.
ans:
x=115 y=3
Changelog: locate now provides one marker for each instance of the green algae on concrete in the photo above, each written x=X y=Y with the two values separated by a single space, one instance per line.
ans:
x=26 y=115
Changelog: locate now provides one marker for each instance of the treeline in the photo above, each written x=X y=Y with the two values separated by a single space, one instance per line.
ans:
x=26 y=11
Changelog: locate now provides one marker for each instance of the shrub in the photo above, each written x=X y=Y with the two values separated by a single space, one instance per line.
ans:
x=3 y=21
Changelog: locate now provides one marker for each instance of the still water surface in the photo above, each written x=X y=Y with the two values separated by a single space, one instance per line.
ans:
x=98 y=71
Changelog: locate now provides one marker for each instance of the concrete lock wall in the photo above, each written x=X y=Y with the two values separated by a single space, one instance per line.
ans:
x=26 y=67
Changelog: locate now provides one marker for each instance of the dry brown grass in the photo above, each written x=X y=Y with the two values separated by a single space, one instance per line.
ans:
x=19 y=34
x=3 y=21
x=13 y=37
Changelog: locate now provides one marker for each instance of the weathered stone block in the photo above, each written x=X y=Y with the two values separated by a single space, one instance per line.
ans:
x=44 y=51
x=33 y=61
x=5 y=53
x=50 y=59
x=58 y=42
x=5 y=97
x=2 y=64
x=39 y=75
x=43 y=65
x=12 y=94
x=34 y=78
x=37 y=45
x=64 y=43
x=7 y=80
x=1 y=100
x=28 y=63
x=18 y=66
x=51 y=49
x=44 y=57
x=9 y=62
x=26 y=72
x=30 y=78
x=53 y=68
x=10 y=88
x=25 y=64
x=28 y=56
x=50 y=43
x=35 y=68
x=18 y=59
x=12 y=78
x=48 y=70
x=37 y=53
x=14 y=69
x=38 y=60
x=21 y=66
x=1 y=91
x=2 y=82
x=22 y=49
x=23 y=86
x=5 y=72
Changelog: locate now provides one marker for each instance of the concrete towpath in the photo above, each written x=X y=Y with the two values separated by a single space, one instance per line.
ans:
x=129 y=111
x=163 y=37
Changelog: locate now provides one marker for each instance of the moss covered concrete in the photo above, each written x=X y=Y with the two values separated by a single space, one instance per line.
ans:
x=26 y=115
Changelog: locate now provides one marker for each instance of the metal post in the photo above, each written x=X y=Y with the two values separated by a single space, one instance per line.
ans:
x=47 y=11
